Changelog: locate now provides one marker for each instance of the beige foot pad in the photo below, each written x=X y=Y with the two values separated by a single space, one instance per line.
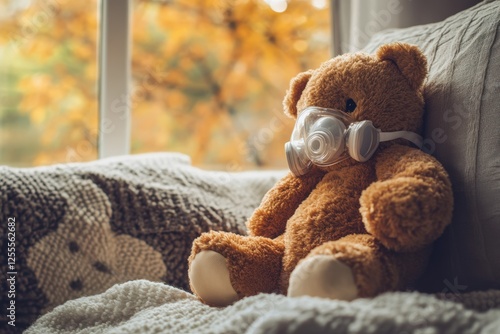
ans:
x=323 y=276
x=209 y=279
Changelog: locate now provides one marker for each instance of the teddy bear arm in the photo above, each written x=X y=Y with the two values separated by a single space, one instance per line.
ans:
x=279 y=204
x=411 y=203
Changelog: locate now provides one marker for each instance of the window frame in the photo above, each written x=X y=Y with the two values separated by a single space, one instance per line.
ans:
x=114 y=78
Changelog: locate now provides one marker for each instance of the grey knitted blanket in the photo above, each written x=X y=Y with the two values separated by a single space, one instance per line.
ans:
x=78 y=229
x=147 y=307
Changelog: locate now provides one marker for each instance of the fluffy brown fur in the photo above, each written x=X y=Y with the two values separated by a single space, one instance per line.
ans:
x=379 y=217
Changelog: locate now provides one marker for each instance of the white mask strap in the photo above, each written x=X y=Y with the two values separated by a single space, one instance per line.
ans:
x=410 y=136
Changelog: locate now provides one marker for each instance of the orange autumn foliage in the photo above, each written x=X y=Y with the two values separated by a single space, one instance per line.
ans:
x=208 y=77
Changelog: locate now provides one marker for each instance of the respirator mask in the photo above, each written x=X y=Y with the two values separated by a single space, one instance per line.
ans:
x=324 y=137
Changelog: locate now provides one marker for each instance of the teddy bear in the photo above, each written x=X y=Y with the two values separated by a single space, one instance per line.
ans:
x=358 y=212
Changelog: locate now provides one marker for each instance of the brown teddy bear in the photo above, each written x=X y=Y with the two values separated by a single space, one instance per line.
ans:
x=354 y=218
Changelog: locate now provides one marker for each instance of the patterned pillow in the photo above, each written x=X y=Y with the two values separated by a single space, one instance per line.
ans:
x=81 y=228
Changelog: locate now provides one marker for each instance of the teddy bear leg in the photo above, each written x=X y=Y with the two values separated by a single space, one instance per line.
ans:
x=323 y=276
x=224 y=267
x=209 y=279
x=355 y=266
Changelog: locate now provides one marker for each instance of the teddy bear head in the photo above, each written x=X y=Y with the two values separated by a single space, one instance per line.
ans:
x=384 y=88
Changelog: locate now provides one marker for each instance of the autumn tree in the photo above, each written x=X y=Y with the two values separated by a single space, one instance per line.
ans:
x=208 y=77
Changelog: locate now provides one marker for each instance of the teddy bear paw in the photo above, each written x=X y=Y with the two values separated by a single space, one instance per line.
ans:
x=210 y=280
x=323 y=276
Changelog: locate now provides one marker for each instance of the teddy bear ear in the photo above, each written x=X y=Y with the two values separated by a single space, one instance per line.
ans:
x=409 y=60
x=297 y=85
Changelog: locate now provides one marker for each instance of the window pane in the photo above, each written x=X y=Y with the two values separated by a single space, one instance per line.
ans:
x=48 y=81
x=209 y=76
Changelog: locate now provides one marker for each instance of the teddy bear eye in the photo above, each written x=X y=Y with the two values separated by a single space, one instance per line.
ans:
x=350 y=105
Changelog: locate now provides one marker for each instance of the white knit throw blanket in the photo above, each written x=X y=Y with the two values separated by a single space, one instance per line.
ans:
x=147 y=307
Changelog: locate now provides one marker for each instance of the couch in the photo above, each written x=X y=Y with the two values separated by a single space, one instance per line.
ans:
x=101 y=247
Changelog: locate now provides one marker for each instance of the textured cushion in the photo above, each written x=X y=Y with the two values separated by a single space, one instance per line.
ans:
x=462 y=130
x=82 y=228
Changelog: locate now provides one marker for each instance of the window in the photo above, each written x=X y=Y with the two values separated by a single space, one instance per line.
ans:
x=208 y=78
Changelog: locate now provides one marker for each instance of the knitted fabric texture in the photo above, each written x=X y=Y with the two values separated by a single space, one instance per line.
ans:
x=147 y=307
x=81 y=228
